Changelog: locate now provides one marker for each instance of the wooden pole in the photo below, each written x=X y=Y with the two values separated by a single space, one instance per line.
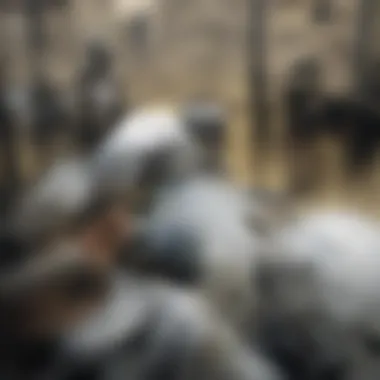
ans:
x=366 y=17
x=258 y=91
x=258 y=65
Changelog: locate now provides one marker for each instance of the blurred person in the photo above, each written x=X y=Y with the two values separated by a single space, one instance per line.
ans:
x=50 y=119
x=68 y=201
x=137 y=33
x=207 y=122
x=99 y=231
x=301 y=98
x=61 y=192
x=356 y=121
x=148 y=148
x=152 y=146
x=41 y=290
x=318 y=305
x=205 y=233
x=99 y=97
x=196 y=229
x=66 y=317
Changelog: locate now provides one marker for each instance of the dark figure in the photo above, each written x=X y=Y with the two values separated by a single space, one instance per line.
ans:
x=371 y=84
x=138 y=35
x=357 y=122
x=99 y=99
x=301 y=97
x=206 y=123
x=49 y=117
